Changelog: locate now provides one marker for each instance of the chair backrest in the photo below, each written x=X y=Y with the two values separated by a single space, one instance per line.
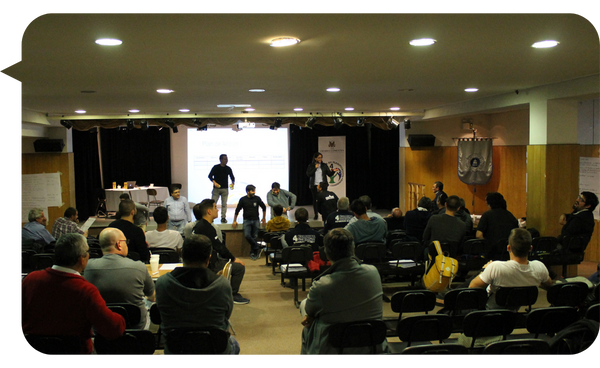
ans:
x=167 y=255
x=516 y=297
x=407 y=250
x=357 y=334
x=197 y=341
x=296 y=254
x=131 y=342
x=518 y=346
x=410 y=301
x=593 y=312
x=543 y=245
x=577 y=243
x=227 y=270
x=41 y=261
x=51 y=344
x=151 y=192
x=371 y=252
x=425 y=327
x=474 y=247
x=155 y=315
x=464 y=300
x=550 y=320
x=570 y=294
x=486 y=323
x=274 y=239
x=436 y=349
x=131 y=313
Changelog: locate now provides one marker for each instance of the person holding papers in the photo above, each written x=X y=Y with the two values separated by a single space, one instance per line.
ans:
x=67 y=224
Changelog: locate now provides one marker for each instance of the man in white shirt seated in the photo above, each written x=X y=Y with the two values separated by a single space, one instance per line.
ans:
x=163 y=237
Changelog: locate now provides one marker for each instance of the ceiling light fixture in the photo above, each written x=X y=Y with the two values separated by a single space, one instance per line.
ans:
x=471 y=89
x=406 y=124
x=171 y=125
x=545 y=44
x=422 y=42
x=298 y=109
x=256 y=90
x=144 y=125
x=184 y=110
x=130 y=124
x=338 y=122
x=360 y=122
x=66 y=123
x=284 y=41
x=392 y=123
x=349 y=109
x=164 y=90
x=333 y=89
x=134 y=111
x=394 y=108
x=80 y=111
x=310 y=122
x=108 y=42
x=249 y=109
x=277 y=123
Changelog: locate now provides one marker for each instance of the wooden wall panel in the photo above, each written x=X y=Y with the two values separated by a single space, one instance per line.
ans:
x=46 y=163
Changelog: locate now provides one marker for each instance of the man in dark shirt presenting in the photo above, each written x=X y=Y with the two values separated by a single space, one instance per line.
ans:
x=219 y=175
x=135 y=235
x=206 y=212
x=250 y=204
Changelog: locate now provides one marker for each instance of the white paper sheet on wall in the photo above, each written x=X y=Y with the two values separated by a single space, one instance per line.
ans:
x=589 y=178
x=40 y=191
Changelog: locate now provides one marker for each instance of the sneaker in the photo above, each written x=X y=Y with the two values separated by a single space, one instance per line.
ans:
x=259 y=252
x=223 y=220
x=253 y=256
x=238 y=299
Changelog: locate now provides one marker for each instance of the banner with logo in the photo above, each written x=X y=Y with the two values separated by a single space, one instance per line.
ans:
x=475 y=160
x=334 y=155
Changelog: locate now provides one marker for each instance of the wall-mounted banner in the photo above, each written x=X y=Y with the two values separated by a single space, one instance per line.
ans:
x=333 y=150
x=475 y=160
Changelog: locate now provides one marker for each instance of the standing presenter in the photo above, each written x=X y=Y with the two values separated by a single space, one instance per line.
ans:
x=317 y=172
x=219 y=175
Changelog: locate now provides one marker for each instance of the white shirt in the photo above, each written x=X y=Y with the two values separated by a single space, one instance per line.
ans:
x=164 y=239
x=513 y=274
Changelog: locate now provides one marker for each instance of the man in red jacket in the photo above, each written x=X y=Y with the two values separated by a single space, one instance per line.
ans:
x=59 y=301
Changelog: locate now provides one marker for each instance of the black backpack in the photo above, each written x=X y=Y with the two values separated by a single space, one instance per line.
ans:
x=575 y=338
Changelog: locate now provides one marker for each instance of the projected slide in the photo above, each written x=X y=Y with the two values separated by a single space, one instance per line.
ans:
x=257 y=156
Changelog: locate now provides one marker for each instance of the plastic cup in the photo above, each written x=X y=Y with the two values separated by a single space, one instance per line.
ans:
x=154 y=262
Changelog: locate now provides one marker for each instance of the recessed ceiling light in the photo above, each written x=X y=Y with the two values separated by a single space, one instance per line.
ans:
x=249 y=109
x=80 y=111
x=134 y=110
x=545 y=44
x=298 y=109
x=471 y=89
x=284 y=41
x=333 y=89
x=184 y=110
x=163 y=90
x=230 y=106
x=423 y=42
x=349 y=109
x=256 y=90
x=108 y=42
x=394 y=108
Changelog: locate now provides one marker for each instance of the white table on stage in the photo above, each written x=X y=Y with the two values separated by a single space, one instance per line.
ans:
x=137 y=194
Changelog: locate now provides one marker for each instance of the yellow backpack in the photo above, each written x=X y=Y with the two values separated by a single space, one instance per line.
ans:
x=441 y=272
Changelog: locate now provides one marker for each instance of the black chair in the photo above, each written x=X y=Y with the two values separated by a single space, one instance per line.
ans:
x=42 y=261
x=571 y=294
x=131 y=313
x=26 y=261
x=196 y=341
x=421 y=330
x=516 y=297
x=167 y=255
x=436 y=349
x=543 y=246
x=95 y=253
x=460 y=302
x=409 y=301
x=53 y=344
x=372 y=253
x=403 y=251
x=473 y=255
x=518 y=346
x=131 y=342
x=395 y=235
x=156 y=319
x=357 y=334
x=294 y=266
x=487 y=323
x=134 y=255
x=274 y=247
x=593 y=312
x=548 y=321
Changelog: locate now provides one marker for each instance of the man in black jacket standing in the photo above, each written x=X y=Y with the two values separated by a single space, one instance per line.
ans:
x=250 y=204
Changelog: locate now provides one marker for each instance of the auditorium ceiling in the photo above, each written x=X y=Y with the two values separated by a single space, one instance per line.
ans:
x=208 y=60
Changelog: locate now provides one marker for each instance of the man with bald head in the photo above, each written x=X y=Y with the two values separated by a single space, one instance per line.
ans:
x=118 y=278
x=135 y=235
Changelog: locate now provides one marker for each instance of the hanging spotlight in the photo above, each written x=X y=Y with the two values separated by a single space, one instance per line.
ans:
x=66 y=123
x=130 y=124
x=144 y=125
x=310 y=122
x=277 y=123
x=360 y=122
x=171 y=125
x=392 y=123
x=202 y=129
x=406 y=123
x=338 y=122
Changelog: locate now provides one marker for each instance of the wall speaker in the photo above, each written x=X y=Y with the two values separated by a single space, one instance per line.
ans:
x=421 y=140
x=48 y=145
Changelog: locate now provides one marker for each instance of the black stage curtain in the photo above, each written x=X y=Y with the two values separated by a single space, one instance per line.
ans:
x=88 y=185
x=371 y=159
x=143 y=156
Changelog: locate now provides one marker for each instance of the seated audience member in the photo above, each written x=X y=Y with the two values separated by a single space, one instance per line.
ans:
x=463 y=215
x=495 y=224
x=416 y=220
x=193 y=296
x=142 y=213
x=67 y=224
x=445 y=228
x=118 y=278
x=339 y=218
x=286 y=199
x=302 y=233
x=368 y=204
x=518 y=271
x=581 y=220
x=35 y=229
x=179 y=210
x=366 y=229
x=395 y=220
x=206 y=212
x=278 y=222
x=326 y=200
x=163 y=237
x=59 y=301
x=135 y=235
x=347 y=291
x=440 y=205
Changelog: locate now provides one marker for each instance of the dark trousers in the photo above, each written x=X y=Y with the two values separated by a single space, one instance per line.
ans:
x=314 y=192
x=237 y=273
